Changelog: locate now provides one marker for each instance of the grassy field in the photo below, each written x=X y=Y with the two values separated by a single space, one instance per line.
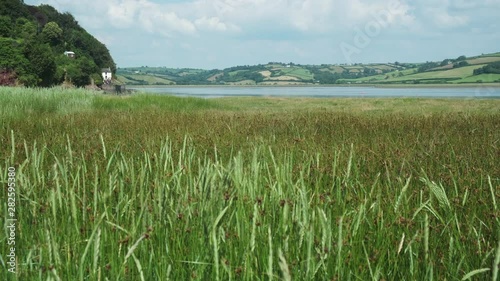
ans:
x=452 y=73
x=484 y=78
x=300 y=73
x=444 y=74
x=162 y=188
x=150 y=79
x=381 y=77
x=383 y=66
x=336 y=69
x=456 y=75
x=483 y=60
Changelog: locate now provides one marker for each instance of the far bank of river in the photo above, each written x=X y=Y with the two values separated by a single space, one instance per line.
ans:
x=472 y=91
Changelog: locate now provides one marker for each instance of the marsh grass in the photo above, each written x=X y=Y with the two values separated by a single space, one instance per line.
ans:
x=19 y=102
x=152 y=102
x=141 y=188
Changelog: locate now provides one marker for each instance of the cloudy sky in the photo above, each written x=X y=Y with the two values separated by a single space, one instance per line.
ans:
x=222 y=33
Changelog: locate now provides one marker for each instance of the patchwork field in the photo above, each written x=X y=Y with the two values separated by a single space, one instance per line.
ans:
x=143 y=79
x=482 y=78
x=383 y=73
x=451 y=73
x=483 y=60
x=148 y=187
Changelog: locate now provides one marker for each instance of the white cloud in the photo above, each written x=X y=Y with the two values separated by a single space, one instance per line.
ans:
x=387 y=13
x=317 y=16
x=438 y=14
x=164 y=22
x=122 y=14
x=445 y=20
x=188 y=17
x=467 y=4
x=310 y=15
x=292 y=29
x=215 y=24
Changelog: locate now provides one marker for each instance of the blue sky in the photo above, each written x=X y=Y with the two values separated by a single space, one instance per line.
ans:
x=222 y=33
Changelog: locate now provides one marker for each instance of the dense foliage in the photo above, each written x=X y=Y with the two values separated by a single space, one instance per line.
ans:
x=431 y=66
x=240 y=73
x=326 y=77
x=427 y=66
x=493 y=68
x=32 y=45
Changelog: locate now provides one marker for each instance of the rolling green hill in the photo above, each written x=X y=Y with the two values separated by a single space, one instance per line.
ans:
x=144 y=79
x=448 y=71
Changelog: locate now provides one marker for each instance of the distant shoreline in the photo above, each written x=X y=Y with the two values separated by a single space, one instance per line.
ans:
x=465 y=85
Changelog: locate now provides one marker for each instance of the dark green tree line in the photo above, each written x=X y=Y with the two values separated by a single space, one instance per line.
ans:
x=492 y=68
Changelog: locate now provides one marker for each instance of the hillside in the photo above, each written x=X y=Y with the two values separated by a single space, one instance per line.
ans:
x=40 y=47
x=478 y=69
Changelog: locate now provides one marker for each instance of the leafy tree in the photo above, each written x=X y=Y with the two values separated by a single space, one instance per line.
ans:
x=369 y=71
x=5 y=26
x=9 y=53
x=42 y=63
x=14 y=9
x=493 y=68
x=445 y=62
x=51 y=33
x=25 y=29
x=91 y=47
x=97 y=78
x=460 y=64
x=13 y=61
x=74 y=74
x=77 y=71
x=426 y=66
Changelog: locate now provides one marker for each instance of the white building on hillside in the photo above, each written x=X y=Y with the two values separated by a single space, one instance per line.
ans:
x=106 y=75
x=70 y=54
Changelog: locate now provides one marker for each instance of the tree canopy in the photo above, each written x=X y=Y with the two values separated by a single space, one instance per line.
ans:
x=491 y=68
x=33 y=41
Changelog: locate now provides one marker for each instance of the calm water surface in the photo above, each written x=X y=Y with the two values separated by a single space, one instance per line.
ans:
x=481 y=91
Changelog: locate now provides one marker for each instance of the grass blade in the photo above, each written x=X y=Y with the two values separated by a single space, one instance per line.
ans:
x=474 y=272
x=215 y=241
x=285 y=271
x=496 y=262
x=270 y=256
x=82 y=259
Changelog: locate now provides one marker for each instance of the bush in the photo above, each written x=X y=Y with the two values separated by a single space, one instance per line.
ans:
x=492 y=68
x=460 y=64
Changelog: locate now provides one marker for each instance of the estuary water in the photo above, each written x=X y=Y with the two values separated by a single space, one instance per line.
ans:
x=480 y=91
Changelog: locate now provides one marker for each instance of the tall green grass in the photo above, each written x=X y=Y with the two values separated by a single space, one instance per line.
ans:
x=139 y=188
x=183 y=215
x=19 y=102
x=152 y=102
